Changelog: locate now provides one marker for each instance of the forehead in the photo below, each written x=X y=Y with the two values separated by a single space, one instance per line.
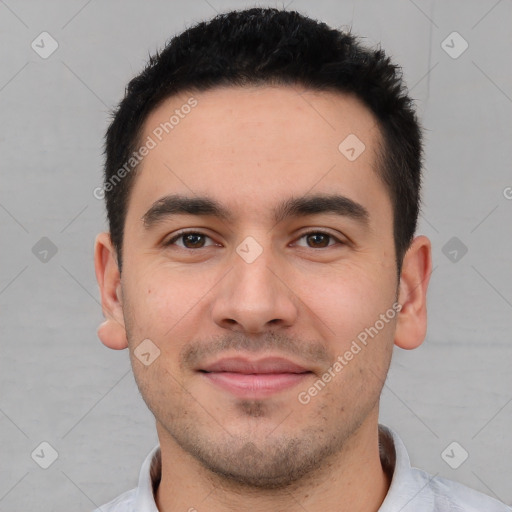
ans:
x=251 y=145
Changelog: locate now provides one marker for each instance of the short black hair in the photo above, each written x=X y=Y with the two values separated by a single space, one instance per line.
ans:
x=261 y=46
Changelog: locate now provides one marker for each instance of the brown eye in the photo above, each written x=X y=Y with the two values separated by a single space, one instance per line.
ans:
x=189 y=239
x=194 y=239
x=319 y=239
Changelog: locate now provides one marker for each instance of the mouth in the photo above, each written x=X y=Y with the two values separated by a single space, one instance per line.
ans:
x=247 y=378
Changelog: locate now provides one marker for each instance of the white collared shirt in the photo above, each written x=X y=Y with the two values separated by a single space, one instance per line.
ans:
x=411 y=490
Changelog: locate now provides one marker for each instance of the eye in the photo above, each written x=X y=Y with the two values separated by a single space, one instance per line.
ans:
x=196 y=240
x=191 y=240
x=319 y=239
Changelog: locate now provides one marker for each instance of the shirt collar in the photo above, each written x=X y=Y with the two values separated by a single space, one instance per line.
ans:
x=149 y=478
x=408 y=483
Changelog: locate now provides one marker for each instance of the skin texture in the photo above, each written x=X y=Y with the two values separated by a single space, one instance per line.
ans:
x=303 y=298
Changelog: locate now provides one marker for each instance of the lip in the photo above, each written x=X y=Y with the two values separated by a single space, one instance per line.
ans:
x=247 y=378
x=248 y=366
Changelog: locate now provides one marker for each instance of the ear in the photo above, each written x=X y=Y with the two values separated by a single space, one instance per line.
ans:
x=111 y=332
x=411 y=327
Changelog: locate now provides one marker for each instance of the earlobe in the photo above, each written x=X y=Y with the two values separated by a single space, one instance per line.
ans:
x=111 y=332
x=411 y=325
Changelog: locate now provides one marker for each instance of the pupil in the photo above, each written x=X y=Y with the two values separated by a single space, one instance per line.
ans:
x=319 y=235
x=190 y=238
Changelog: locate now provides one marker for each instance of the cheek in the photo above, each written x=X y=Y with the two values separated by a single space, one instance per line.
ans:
x=348 y=300
x=166 y=306
x=159 y=300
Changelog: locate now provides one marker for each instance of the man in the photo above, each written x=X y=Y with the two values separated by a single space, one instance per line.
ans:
x=262 y=185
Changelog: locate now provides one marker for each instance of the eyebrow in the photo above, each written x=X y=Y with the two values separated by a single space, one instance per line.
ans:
x=171 y=205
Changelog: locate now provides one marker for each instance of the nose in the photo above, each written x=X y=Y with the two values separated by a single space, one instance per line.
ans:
x=255 y=297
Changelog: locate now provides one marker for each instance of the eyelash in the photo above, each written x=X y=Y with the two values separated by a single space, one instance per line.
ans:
x=191 y=232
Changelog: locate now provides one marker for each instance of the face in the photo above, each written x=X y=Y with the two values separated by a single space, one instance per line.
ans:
x=251 y=310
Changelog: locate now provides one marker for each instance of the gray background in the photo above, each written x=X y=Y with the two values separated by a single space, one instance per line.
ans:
x=59 y=384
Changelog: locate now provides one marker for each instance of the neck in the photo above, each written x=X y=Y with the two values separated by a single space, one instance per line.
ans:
x=351 y=480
